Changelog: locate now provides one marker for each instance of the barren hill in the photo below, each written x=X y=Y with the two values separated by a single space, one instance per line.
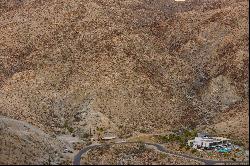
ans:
x=139 y=65
x=22 y=143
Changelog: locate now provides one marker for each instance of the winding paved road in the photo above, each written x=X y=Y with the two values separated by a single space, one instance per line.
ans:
x=159 y=147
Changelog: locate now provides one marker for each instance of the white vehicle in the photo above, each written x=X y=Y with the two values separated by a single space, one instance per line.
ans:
x=67 y=151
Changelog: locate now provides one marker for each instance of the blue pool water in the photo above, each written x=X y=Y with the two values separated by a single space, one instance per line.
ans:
x=224 y=150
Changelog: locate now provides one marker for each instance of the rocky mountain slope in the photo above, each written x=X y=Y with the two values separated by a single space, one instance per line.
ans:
x=147 y=66
x=22 y=143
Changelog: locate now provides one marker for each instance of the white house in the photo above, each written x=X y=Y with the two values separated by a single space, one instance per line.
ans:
x=108 y=136
x=204 y=141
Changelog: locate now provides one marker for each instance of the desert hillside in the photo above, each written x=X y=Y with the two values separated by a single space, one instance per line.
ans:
x=125 y=65
x=22 y=143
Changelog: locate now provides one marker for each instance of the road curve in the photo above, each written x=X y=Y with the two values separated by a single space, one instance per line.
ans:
x=159 y=147
x=77 y=158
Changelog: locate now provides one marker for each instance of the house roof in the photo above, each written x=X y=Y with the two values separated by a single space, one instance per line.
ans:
x=108 y=137
x=221 y=138
x=208 y=140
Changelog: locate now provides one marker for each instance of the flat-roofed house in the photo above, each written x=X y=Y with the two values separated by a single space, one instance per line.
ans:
x=206 y=142
x=222 y=140
x=108 y=137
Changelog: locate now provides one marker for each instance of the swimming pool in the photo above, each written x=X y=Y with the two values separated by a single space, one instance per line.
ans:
x=224 y=150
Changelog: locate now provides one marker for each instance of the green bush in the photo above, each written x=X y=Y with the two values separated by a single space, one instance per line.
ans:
x=182 y=138
x=164 y=139
x=173 y=137
x=189 y=134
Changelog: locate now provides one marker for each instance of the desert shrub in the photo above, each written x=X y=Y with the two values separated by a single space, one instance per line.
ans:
x=142 y=147
x=163 y=155
x=193 y=151
x=66 y=126
x=182 y=145
x=143 y=130
x=100 y=129
x=189 y=134
x=182 y=138
x=225 y=154
x=187 y=148
x=88 y=143
x=172 y=137
x=70 y=129
x=85 y=135
x=240 y=143
x=209 y=154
